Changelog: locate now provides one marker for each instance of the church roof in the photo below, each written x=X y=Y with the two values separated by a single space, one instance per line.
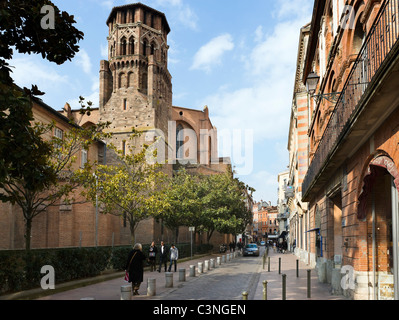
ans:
x=138 y=4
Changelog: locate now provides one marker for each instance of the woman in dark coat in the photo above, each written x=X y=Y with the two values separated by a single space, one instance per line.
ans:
x=152 y=254
x=134 y=267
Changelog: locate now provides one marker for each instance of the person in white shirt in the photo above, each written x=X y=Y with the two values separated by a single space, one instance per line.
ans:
x=174 y=256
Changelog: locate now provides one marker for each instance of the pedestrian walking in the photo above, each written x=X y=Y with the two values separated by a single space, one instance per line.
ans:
x=163 y=256
x=174 y=256
x=134 y=267
x=152 y=255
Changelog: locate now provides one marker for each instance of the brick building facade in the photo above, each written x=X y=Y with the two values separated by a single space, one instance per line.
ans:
x=351 y=185
x=265 y=216
x=61 y=225
x=135 y=92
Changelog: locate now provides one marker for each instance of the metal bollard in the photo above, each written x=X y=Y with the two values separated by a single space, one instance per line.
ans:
x=200 y=267
x=224 y=259
x=279 y=265
x=212 y=264
x=268 y=264
x=264 y=261
x=206 y=266
x=245 y=295
x=151 y=287
x=192 y=271
x=265 y=290
x=182 y=275
x=284 y=286
x=218 y=261
x=297 y=268
x=126 y=292
x=309 y=284
x=169 y=280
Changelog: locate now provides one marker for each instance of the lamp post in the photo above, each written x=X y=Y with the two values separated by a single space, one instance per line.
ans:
x=311 y=85
x=192 y=229
x=96 y=240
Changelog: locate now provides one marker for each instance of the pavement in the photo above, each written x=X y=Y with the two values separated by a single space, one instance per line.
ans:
x=108 y=287
x=296 y=287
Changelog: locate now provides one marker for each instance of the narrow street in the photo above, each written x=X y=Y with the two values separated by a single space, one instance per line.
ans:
x=227 y=283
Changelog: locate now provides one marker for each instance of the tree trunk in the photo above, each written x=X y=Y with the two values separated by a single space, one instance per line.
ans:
x=209 y=236
x=177 y=235
x=28 y=233
x=133 y=233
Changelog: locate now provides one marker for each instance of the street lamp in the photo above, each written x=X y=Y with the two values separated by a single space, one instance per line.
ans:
x=311 y=85
x=96 y=240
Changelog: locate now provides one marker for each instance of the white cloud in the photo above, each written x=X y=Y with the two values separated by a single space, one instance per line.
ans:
x=259 y=34
x=27 y=71
x=104 y=50
x=264 y=182
x=287 y=9
x=83 y=60
x=264 y=102
x=180 y=12
x=262 y=108
x=211 y=54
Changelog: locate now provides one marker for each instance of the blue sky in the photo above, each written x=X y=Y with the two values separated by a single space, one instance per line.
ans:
x=236 y=57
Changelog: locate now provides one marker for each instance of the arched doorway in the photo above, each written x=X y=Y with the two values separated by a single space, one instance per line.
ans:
x=378 y=207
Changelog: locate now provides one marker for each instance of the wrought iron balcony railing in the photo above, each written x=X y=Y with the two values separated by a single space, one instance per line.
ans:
x=380 y=41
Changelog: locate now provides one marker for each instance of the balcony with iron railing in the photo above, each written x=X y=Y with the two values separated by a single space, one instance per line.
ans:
x=358 y=109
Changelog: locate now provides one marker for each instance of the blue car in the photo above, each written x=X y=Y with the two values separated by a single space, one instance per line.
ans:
x=251 y=250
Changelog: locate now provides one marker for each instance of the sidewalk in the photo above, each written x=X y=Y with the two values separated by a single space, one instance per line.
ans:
x=296 y=287
x=111 y=290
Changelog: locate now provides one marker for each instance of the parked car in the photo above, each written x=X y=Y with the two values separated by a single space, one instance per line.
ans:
x=251 y=250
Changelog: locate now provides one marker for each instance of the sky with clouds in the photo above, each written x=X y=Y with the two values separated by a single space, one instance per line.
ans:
x=236 y=57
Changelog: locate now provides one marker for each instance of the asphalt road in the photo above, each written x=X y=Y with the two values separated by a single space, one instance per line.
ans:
x=227 y=283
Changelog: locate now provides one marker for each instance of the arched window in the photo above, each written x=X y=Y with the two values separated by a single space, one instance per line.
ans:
x=130 y=79
x=144 y=83
x=358 y=37
x=179 y=142
x=131 y=45
x=122 y=80
x=145 y=48
x=123 y=46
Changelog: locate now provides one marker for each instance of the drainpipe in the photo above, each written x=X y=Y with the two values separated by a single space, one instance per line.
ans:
x=395 y=230
x=373 y=237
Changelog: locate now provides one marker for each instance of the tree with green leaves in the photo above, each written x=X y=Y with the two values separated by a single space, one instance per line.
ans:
x=25 y=168
x=132 y=187
x=224 y=206
x=22 y=151
x=208 y=203
x=183 y=197
x=57 y=178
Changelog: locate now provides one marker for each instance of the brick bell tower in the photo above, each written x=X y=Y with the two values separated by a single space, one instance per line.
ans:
x=135 y=84
x=136 y=87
